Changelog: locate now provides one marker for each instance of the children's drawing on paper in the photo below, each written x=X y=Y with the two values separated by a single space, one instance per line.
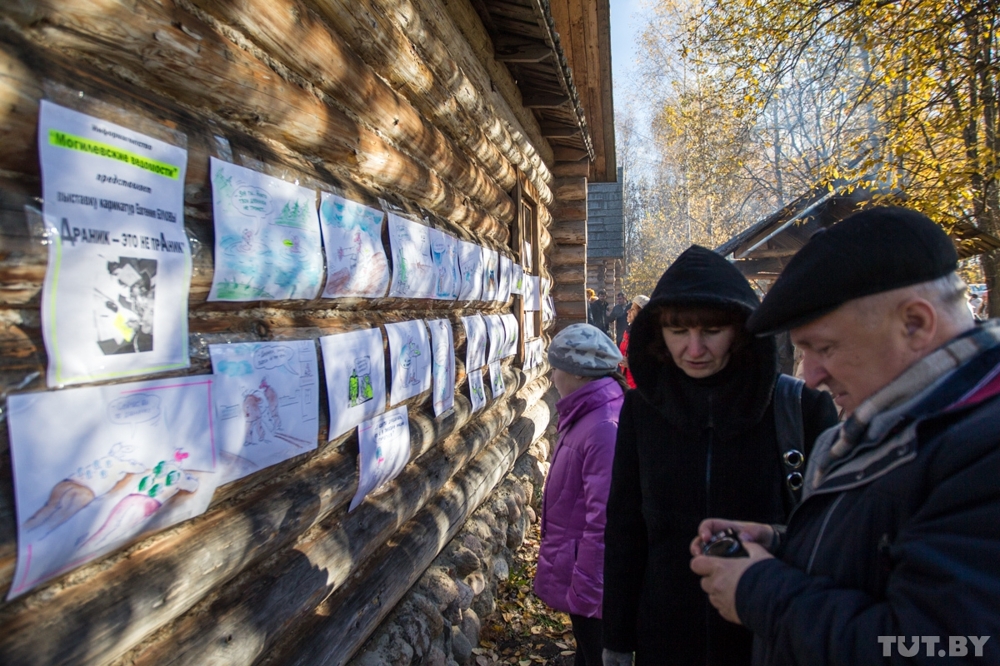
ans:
x=491 y=274
x=383 y=451
x=443 y=371
x=506 y=279
x=548 y=306
x=413 y=274
x=510 y=329
x=526 y=251
x=533 y=353
x=356 y=263
x=354 y=365
x=410 y=356
x=477 y=394
x=267 y=237
x=532 y=297
x=475 y=342
x=266 y=403
x=517 y=279
x=470 y=260
x=114 y=301
x=497 y=337
x=444 y=252
x=118 y=462
x=125 y=299
x=496 y=379
x=529 y=326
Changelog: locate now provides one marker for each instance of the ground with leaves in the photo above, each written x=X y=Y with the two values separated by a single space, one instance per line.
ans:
x=523 y=630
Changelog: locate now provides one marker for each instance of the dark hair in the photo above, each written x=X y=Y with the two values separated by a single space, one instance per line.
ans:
x=618 y=377
x=693 y=316
x=602 y=291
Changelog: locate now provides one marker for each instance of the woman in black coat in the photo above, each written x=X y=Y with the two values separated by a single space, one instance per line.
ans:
x=696 y=439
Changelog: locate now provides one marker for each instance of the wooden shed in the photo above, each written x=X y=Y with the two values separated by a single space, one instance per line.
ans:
x=480 y=121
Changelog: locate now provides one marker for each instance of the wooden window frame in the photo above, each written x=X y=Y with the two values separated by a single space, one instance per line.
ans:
x=526 y=227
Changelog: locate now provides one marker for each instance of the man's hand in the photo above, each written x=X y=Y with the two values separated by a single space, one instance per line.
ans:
x=611 y=658
x=758 y=533
x=721 y=575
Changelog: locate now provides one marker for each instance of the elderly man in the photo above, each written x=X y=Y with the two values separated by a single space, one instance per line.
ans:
x=894 y=551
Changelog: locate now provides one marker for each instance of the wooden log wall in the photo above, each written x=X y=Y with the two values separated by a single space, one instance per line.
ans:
x=381 y=99
x=569 y=235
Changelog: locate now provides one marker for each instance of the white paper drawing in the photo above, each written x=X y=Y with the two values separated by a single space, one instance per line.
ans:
x=114 y=300
x=506 y=278
x=470 y=260
x=534 y=351
x=354 y=365
x=497 y=337
x=532 y=296
x=477 y=394
x=96 y=467
x=526 y=250
x=443 y=375
x=413 y=274
x=491 y=274
x=444 y=253
x=496 y=379
x=510 y=334
x=266 y=400
x=529 y=326
x=384 y=450
x=517 y=279
x=410 y=360
x=267 y=237
x=356 y=264
x=475 y=342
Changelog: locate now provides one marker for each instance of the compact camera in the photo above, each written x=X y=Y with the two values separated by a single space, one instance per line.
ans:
x=725 y=544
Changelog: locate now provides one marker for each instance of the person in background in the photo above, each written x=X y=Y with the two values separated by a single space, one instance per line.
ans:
x=599 y=311
x=698 y=437
x=892 y=556
x=638 y=303
x=570 y=576
x=619 y=315
x=591 y=298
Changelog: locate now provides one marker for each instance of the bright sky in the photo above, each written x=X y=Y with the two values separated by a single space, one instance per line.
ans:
x=625 y=29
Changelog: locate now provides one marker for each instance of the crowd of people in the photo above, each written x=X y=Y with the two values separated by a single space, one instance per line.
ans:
x=705 y=509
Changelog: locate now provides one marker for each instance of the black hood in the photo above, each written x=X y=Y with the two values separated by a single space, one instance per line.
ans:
x=701 y=277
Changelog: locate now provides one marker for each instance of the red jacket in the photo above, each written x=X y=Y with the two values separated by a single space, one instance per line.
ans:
x=623 y=348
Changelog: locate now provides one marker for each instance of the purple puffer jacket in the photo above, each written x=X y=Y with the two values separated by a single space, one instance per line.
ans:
x=570 y=573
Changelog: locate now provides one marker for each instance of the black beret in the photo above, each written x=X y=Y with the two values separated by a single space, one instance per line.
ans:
x=876 y=250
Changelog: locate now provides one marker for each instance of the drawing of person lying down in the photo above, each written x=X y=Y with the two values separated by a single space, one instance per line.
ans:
x=151 y=492
x=89 y=482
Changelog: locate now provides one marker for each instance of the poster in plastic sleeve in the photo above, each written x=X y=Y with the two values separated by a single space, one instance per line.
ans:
x=114 y=300
x=477 y=394
x=548 y=305
x=496 y=379
x=510 y=335
x=266 y=401
x=409 y=360
x=268 y=243
x=517 y=279
x=383 y=451
x=475 y=342
x=444 y=254
x=491 y=274
x=443 y=371
x=506 y=275
x=413 y=274
x=470 y=261
x=96 y=467
x=532 y=293
x=497 y=337
x=356 y=264
x=354 y=365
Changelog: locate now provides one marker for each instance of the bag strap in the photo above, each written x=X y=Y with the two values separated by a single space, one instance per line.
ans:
x=791 y=433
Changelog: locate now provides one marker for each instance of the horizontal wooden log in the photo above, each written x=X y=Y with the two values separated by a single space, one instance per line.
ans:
x=195 y=65
x=344 y=621
x=570 y=233
x=569 y=274
x=575 y=311
x=568 y=211
x=570 y=188
x=572 y=169
x=294 y=35
x=283 y=591
x=433 y=85
x=569 y=255
x=565 y=293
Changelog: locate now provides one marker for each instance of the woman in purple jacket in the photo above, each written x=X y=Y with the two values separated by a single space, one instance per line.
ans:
x=570 y=574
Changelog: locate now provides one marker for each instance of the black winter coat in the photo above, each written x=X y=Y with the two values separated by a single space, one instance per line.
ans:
x=900 y=540
x=689 y=449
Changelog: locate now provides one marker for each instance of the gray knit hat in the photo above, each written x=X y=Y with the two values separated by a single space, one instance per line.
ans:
x=585 y=350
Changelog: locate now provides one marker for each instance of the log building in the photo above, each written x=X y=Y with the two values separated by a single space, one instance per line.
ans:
x=486 y=119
